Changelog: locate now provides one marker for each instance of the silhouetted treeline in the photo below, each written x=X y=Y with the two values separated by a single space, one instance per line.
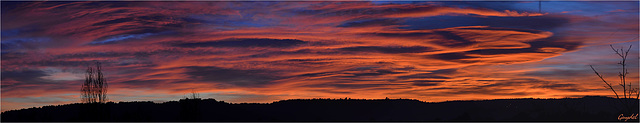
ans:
x=588 y=108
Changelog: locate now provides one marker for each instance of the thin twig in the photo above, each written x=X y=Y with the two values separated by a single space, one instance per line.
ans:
x=605 y=82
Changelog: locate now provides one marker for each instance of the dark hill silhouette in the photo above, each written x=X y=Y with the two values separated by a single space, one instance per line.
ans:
x=590 y=108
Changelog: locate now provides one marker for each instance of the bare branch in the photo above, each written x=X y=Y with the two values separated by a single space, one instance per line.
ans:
x=605 y=82
x=628 y=51
x=616 y=50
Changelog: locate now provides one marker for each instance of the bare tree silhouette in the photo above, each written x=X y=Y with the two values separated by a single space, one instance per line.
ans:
x=194 y=94
x=94 y=88
x=627 y=89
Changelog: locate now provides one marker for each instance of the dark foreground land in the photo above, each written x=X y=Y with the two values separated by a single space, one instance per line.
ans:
x=570 y=109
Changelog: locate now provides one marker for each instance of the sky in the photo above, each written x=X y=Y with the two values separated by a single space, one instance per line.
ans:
x=260 y=52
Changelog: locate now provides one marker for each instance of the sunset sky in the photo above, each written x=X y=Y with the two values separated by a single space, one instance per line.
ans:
x=269 y=51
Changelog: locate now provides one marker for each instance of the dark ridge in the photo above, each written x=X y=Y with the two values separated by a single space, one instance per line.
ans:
x=589 y=108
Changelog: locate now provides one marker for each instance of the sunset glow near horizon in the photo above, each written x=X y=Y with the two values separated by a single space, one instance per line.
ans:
x=268 y=51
